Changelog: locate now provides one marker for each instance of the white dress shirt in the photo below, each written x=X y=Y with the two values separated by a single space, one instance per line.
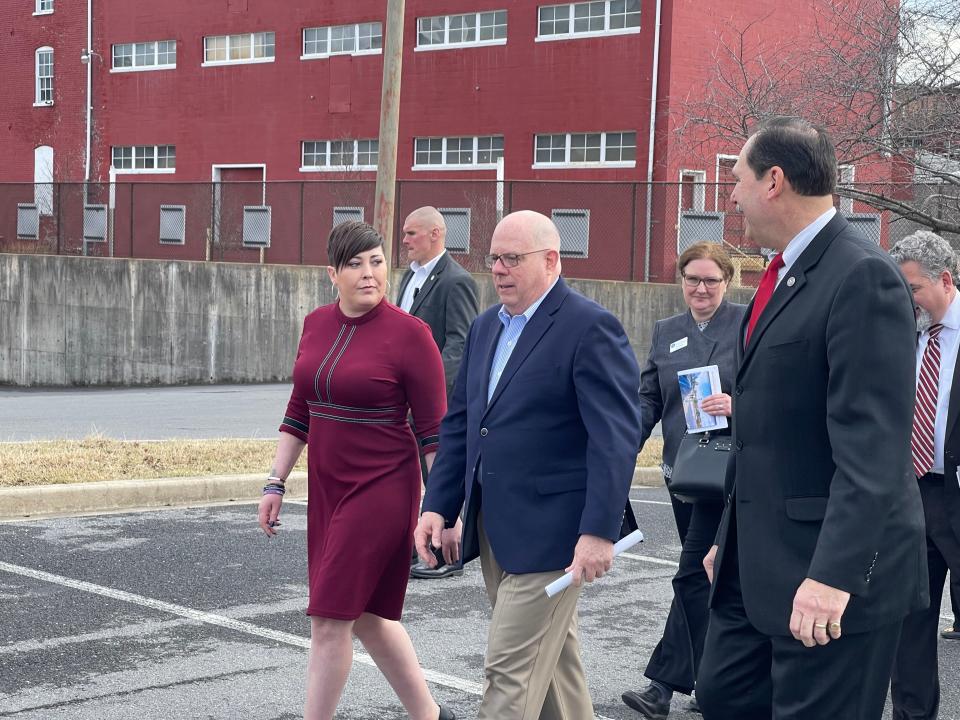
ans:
x=949 y=337
x=420 y=275
x=799 y=243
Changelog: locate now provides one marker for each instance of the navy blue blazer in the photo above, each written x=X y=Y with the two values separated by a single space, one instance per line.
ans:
x=556 y=444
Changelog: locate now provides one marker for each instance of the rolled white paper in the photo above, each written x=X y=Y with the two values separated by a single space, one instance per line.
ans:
x=622 y=545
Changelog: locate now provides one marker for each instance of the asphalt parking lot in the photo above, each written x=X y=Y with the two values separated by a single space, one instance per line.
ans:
x=192 y=613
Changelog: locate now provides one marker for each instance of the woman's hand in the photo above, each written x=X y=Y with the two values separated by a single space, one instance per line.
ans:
x=269 y=512
x=719 y=404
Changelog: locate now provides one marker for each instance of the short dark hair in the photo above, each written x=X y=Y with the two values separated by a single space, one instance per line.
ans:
x=349 y=239
x=803 y=151
x=707 y=251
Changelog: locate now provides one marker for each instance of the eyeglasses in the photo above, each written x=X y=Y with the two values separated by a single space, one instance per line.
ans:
x=710 y=283
x=509 y=260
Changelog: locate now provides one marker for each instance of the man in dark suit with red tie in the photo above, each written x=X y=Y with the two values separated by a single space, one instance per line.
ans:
x=821 y=550
x=930 y=267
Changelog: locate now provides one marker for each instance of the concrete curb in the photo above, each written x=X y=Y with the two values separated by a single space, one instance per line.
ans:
x=116 y=495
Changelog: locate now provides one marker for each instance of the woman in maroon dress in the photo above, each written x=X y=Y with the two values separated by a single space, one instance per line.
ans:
x=362 y=365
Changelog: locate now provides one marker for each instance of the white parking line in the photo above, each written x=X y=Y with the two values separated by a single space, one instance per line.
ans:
x=219 y=620
x=648 y=559
x=437 y=678
x=649 y=502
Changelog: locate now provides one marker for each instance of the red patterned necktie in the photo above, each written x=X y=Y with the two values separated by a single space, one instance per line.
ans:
x=925 y=412
x=768 y=283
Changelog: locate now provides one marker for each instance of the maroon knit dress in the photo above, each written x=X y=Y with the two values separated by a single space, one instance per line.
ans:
x=354 y=381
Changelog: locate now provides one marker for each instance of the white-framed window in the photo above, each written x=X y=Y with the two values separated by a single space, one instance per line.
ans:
x=574 y=229
x=846 y=174
x=725 y=182
x=598 y=149
x=173 y=224
x=43 y=179
x=244 y=48
x=453 y=31
x=338 y=155
x=457 y=221
x=153 y=55
x=588 y=19
x=457 y=153
x=144 y=158
x=44 y=7
x=356 y=39
x=44 y=76
x=693 y=190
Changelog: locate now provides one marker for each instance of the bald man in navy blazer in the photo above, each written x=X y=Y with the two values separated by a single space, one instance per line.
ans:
x=539 y=443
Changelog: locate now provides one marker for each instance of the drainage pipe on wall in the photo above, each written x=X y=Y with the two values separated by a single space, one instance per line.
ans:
x=90 y=56
x=653 y=129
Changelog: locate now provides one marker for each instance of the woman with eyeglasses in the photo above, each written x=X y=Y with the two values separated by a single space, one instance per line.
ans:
x=706 y=334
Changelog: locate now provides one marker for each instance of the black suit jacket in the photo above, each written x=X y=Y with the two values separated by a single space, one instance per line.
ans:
x=448 y=303
x=659 y=390
x=951 y=454
x=821 y=483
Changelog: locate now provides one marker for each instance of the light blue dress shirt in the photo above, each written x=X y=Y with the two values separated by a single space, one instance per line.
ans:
x=513 y=326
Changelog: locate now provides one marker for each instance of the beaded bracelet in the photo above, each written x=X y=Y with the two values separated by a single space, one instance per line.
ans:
x=274 y=489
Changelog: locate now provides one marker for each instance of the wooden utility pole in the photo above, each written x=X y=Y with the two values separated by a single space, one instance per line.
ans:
x=383 y=208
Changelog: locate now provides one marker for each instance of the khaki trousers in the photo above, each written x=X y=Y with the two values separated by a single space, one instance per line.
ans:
x=532 y=669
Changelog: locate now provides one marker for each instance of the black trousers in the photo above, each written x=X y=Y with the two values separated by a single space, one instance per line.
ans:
x=915 y=685
x=748 y=675
x=676 y=658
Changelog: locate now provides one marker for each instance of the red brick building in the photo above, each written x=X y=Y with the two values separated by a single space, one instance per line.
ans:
x=255 y=90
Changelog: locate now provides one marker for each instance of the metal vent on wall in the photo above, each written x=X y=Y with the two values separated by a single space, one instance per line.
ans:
x=173 y=224
x=458 y=229
x=574 y=229
x=347 y=214
x=95 y=223
x=256 y=226
x=867 y=223
x=28 y=221
x=699 y=226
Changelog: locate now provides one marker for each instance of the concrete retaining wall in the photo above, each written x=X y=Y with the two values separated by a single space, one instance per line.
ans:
x=95 y=321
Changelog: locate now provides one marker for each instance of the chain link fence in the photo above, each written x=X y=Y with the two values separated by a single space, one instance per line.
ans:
x=608 y=230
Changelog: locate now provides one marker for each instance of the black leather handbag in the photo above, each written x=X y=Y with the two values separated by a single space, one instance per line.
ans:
x=700 y=467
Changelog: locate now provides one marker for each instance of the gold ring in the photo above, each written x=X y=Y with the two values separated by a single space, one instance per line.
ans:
x=820 y=626
x=835 y=626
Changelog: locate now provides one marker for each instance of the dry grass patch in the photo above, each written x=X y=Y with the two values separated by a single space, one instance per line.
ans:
x=96 y=458
x=651 y=454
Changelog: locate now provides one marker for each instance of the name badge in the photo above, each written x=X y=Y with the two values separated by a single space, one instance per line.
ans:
x=678 y=345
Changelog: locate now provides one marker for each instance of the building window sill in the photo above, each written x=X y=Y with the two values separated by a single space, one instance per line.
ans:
x=584 y=35
x=142 y=69
x=584 y=166
x=221 y=63
x=460 y=46
x=429 y=168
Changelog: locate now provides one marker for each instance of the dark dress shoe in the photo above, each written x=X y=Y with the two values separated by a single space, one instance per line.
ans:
x=653 y=703
x=446 y=714
x=950 y=633
x=422 y=571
